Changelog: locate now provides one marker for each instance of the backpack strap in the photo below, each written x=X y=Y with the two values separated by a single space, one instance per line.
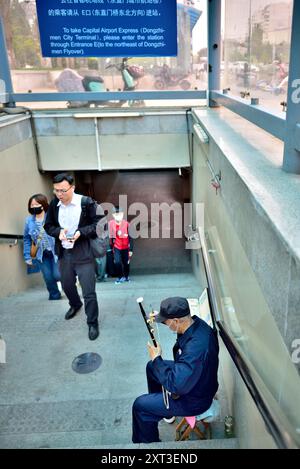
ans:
x=84 y=203
x=39 y=238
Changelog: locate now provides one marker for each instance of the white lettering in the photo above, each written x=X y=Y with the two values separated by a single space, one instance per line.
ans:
x=296 y=352
x=112 y=459
x=154 y=44
x=296 y=93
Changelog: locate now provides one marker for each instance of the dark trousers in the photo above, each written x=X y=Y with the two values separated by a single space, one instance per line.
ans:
x=86 y=276
x=110 y=265
x=149 y=409
x=100 y=268
x=121 y=259
x=51 y=274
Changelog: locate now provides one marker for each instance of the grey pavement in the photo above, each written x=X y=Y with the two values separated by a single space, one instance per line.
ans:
x=43 y=402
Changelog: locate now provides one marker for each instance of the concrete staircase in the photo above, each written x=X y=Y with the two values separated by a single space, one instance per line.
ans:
x=97 y=424
x=45 y=404
x=230 y=443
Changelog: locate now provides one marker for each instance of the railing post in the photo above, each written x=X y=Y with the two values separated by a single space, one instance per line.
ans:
x=214 y=47
x=5 y=75
x=291 y=159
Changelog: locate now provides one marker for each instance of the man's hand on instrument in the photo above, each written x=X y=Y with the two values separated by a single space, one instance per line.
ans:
x=154 y=351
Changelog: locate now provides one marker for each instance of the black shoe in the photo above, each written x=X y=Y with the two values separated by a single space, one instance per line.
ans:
x=51 y=298
x=93 y=332
x=71 y=312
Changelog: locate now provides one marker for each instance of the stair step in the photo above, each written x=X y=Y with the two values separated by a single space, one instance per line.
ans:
x=110 y=437
x=77 y=424
x=224 y=443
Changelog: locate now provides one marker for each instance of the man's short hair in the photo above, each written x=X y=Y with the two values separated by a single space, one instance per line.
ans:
x=41 y=199
x=63 y=177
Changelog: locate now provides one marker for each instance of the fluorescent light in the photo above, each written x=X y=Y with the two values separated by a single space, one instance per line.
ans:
x=92 y=115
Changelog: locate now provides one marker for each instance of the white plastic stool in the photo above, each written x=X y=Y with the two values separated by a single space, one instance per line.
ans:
x=191 y=424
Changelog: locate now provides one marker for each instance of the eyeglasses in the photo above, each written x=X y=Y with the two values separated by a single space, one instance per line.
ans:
x=61 y=191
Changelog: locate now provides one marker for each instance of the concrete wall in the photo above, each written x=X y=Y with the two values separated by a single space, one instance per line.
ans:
x=147 y=187
x=68 y=143
x=249 y=427
x=153 y=140
x=251 y=266
x=262 y=203
x=19 y=179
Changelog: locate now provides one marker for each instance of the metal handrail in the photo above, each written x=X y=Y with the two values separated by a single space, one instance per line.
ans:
x=282 y=437
x=92 y=96
x=10 y=236
x=11 y=240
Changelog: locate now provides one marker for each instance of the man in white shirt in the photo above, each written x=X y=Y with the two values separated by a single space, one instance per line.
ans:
x=72 y=225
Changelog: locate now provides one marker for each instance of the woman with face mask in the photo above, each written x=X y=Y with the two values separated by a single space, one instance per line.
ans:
x=45 y=257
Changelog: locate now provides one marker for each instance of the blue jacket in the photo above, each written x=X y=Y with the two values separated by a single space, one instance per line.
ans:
x=31 y=233
x=194 y=373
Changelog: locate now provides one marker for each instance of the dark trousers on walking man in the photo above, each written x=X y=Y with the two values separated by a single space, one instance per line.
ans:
x=86 y=276
x=72 y=220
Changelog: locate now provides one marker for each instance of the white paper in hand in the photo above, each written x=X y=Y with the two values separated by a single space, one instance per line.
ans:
x=200 y=307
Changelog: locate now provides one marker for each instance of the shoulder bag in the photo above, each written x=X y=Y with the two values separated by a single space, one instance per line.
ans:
x=98 y=244
x=34 y=247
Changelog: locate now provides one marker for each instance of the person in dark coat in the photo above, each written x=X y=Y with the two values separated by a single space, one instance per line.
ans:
x=72 y=221
x=185 y=386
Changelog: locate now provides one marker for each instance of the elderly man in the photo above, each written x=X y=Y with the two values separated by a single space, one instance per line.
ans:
x=185 y=386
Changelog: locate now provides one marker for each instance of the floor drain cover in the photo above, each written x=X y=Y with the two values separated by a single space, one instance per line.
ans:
x=86 y=363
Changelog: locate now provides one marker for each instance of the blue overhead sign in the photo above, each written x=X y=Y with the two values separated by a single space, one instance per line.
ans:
x=107 y=28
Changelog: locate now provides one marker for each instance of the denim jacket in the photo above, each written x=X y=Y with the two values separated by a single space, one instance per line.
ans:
x=31 y=233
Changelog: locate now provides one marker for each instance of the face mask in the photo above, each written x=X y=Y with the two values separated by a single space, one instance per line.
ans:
x=36 y=210
x=118 y=218
x=174 y=332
